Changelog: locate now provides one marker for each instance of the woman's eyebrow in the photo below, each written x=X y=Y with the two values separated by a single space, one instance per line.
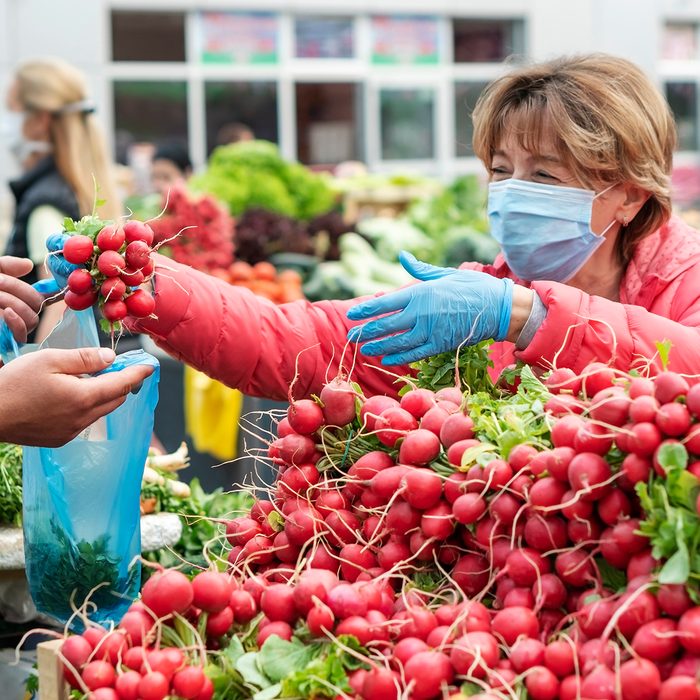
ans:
x=549 y=158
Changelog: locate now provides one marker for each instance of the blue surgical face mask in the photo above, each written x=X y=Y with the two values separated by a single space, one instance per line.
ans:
x=11 y=127
x=544 y=230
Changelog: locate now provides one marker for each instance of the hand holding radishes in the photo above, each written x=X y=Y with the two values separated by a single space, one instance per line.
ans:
x=104 y=263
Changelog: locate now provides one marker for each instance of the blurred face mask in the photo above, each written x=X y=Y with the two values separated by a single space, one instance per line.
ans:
x=544 y=230
x=20 y=147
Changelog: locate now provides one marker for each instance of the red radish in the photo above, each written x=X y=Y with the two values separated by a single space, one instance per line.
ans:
x=471 y=573
x=570 y=688
x=644 y=439
x=127 y=685
x=211 y=591
x=549 y=592
x=76 y=650
x=596 y=377
x=132 y=278
x=455 y=452
x=418 y=402
x=638 y=609
x=419 y=447
x=296 y=449
x=277 y=602
x=322 y=558
x=563 y=379
x=137 y=254
x=692 y=400
x=588 y=473
x=668 y=386
x=219 y=623
x=563 y=405
x=544 y=534
x=139 y=304
x=565 y=429
x=560 y=657
x=422 y=488
x=454 y=486
x=163 y=661
x=110 y=263
x=372 y=408
x=393 y=554
x=639 y=680
x=338 y=399
x=394 y=424
x=111 y=237
x=689 y=630
x=504 y=508
x=380 y=684
x=525 y=565
x=593 y=437
x=78 y=249
x=475 y=654
x=614 y=506
x=434 y=419
x=521 y=455
x=547 y=493
x=427 y=673
x=243 y=605
x=80 y=281
x=408 y=647
x=104 y=694
x=370 y=463
x=189 y=682
x=673 y=599
x=153 y=686
x=138 y=231
x=112 y=647
x=328 y=501
x=240 y=530
x=134 y=657
x=278 y=628
x=114 y=310
x=313 y=585
x=441 y=636
x=656 y=640
x=643 y=409
x=450 y=393
x=679 y=688
x=625 y=534
x=635 y=468
x=305 y=416
x=511 y=623
x=526 y=653
x=98 y=674
x=401 y=518
x=343 y=527
x=673 y=419
x=78 y=302
x=574 y=567
x=167 y=592
x=112 y=288
x=610 y=406
x=542 y=684
x=456 y=427
x=640 y=386
x=345 y=601
x=320 y=619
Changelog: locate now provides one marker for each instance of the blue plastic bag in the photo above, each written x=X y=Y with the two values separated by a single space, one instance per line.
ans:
x=81 y=515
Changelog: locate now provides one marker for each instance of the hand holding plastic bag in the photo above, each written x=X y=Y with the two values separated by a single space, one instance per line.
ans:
x=447 y=308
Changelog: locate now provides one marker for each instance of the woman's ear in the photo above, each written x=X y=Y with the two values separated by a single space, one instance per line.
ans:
x=635 y=197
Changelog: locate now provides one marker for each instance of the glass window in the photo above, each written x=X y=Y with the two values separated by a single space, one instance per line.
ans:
x=328 y=117
x=148 y=36
x=324 y=37
x=487 y=41
x=466 y=95
x=407 y=123
x=679 y=42
x=405 y=39
x=684 y=102
x=238 y=37
x=148 y=111
x=231 y=108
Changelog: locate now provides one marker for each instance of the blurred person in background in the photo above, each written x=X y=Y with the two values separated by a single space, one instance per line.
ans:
x=233 y=133
x=171 y=166
x=51 y=130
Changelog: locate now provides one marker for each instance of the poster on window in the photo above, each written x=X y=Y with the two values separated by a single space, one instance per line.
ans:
x=238 y=37
x=405 y=39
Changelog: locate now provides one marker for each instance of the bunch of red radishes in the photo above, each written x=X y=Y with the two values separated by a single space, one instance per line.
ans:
x=126 y=663
x=518 y=543
x=117 y=260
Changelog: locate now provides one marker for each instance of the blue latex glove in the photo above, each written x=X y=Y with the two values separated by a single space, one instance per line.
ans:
x=449 y=307
x=59 y=266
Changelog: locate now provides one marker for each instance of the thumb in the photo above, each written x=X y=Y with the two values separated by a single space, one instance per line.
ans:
x=80 y=360
x=420 y=270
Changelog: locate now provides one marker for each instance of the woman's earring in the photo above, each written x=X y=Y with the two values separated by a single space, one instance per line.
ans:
x=624 y=221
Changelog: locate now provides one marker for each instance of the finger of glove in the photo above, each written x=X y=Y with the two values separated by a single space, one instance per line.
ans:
x=11 y=325
x=60 y=268
x=47 y=286
x=421 y=270
x=56 y=241
x=413 y=355
x=386 y=325
x=401 y=342
x=385 y=304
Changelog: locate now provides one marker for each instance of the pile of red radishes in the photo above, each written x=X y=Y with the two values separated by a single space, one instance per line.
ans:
x=117 y=260
x=148 y=656
x=513 y=545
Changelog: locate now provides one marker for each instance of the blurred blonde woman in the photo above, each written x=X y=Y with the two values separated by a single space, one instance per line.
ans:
x=54 y=135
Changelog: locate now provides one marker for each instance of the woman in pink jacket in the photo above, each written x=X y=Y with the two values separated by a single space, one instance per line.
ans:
x=593 y=266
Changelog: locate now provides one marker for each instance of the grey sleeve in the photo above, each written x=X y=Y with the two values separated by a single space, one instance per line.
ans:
x=537 y=315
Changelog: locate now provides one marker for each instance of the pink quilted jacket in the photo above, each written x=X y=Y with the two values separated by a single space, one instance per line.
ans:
x=253 y=345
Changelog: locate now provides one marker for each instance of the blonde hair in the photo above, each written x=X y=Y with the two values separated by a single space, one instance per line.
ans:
x=50 y=84
x=609 y=122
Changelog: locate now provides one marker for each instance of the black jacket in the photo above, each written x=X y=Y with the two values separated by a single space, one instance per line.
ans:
x=41 y=185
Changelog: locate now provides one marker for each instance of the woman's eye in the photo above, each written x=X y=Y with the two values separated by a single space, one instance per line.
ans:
x=546 y=176
x=499 y=172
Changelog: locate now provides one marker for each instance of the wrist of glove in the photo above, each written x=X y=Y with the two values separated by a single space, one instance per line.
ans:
x=446 y=309
x=60 y=268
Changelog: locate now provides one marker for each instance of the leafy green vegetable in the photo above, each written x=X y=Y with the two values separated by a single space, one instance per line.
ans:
x=672 y=522
x=253 y=174
x=10 y=484
x=200 y=530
